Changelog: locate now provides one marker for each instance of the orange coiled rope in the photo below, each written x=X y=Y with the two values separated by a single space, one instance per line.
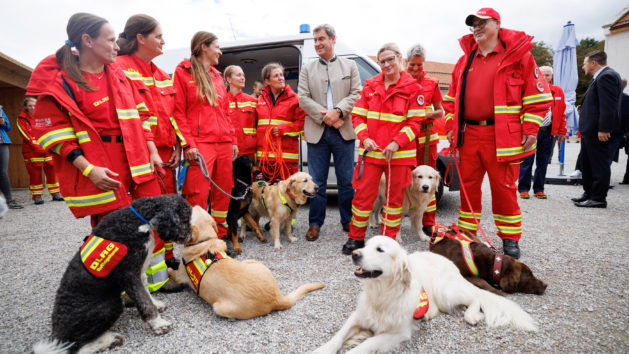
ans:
x=271 y=160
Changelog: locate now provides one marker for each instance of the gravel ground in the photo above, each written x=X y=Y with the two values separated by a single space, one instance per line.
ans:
x=580 y=253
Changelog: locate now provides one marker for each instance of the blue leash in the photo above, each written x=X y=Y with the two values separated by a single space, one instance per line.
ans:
x=138 y=215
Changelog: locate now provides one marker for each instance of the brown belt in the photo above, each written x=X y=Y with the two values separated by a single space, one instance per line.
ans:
x=481 y=122
x=426 y=126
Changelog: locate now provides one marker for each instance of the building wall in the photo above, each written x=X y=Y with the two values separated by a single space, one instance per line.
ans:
x=617 y=49
x=12 y=100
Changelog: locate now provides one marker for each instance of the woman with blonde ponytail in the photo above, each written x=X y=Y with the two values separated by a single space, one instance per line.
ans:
x=242 y=111
x=87 y=116
x=202 y=110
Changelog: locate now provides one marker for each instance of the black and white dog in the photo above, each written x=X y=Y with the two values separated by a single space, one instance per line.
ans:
x=112 y=260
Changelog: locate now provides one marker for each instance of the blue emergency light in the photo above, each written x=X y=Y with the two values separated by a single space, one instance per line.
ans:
x=304 y=28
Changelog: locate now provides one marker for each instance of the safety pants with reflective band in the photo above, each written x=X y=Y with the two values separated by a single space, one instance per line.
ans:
x=477 y=157
x=197 y=187
x=36 y=183
x=366 y=192
x=157 y=272
x=429 y=215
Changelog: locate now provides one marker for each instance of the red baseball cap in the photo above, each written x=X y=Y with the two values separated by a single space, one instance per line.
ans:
x=484 y=13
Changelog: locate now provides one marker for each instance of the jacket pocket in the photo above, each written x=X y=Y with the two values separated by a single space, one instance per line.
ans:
x=399 y=105
x=514 y=90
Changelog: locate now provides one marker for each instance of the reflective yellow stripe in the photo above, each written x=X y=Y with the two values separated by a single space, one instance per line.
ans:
x=416 y=113
x=391 y=211
x=507 y=109
x=89 y=200
x=182 y=140
x=467 y=214
x=432 y=207
x=400 y=154
x=141 y=107
x=128 y=113
x=513 y=151
x=232 y=105
x=37 y=159
x=294 y=133
x=285 y=155
x=467 y=225
x=23 y=133
x=409 y=133
x=90 y=246
x=448 y=98
x=55 y=136
x=246 y=104
x=360 y=213
x=359 y=111
x=363 y=223
x=273 y=122
x=468 y=257
x=83 y=137
x=57 y=148
x=140 y=170
x=146 y=125
x=449 y=117
x=134 y=75
x=250 y=131
x=152 y=120
x=387 y=117
x=218 y=213
x=37 y=186
x=392 y=222
x=509 y=229
x=508 y=218
x=164 y=83
x=433 y=137
x=360 y=127
x=533 y=118
x=536 y=98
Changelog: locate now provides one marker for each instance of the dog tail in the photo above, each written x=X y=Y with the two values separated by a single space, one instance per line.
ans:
x=284 y=302
x=500 y=311
x=51 y=346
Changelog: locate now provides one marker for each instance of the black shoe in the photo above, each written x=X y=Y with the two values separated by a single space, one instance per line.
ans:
x=173 y=263
x=623 y=182
x=352 y=245
x=511 y=248
x=38 y=200
x=57 y=197
x=582 y=198
x=591 y=204
x=427 y=230
x=346 y=227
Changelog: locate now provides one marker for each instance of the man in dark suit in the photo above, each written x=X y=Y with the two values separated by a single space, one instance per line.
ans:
x=599 y=118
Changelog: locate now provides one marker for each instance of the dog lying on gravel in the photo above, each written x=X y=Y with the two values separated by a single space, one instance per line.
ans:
x=114 y=259
x=235 y=289
x=279 y=202
x=417 y=196
x=400 y=289
x=488 y=270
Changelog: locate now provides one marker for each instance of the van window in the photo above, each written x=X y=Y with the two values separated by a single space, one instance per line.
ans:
x=365 y=70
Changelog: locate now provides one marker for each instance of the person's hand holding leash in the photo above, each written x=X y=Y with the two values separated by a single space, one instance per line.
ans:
x=370 y=145
x=390 y=150
x=191 y=154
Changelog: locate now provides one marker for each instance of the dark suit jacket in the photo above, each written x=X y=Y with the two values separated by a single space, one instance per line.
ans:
x=624 y=113
x=600 y=111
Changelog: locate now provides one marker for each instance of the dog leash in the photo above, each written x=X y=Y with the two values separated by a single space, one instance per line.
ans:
x=204 y=171
x=360 y=174
x=452 y=154
x=138 y=215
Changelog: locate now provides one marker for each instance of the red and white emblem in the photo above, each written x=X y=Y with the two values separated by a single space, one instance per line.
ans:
x=420 y=100
x=540 y=86
x=536 y=72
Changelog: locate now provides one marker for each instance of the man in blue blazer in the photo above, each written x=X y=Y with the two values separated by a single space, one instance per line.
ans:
x=599 y=119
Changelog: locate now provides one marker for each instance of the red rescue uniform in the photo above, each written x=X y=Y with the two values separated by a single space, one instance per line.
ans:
x=385 y=115
x=35 y=158
x=514 y=102
x=209 y=129
x=242 y=111
x=431 y=94
x=559 y=111
x=286 y=115
x=66 y=126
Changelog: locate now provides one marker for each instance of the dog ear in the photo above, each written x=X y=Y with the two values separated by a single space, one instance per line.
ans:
x=511 y=278
x=166 y=223
x=214 y=225
x=402 y=273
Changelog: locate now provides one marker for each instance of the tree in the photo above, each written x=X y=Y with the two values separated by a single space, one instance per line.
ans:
x=585 y=46
x=542 y=53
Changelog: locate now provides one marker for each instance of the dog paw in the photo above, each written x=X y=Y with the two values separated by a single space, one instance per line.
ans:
x=160 y=326
x=277 y=246
x=238 y=250
x=161 y=306
x=291 y=239
x=117 y=340
x=423 y=236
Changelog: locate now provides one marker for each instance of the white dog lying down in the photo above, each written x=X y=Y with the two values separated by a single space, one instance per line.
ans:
x=391 y=296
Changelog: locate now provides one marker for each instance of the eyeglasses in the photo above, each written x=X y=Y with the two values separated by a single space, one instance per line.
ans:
x=480 y=24
x=386 y=61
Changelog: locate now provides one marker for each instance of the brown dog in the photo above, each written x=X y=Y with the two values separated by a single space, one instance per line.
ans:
x=235 y=289
x=279 y=202
x=515 y=276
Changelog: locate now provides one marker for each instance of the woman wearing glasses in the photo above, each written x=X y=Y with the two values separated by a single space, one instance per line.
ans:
x=386 y=119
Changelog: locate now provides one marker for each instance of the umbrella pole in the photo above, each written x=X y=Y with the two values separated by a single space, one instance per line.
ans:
x=562 y=147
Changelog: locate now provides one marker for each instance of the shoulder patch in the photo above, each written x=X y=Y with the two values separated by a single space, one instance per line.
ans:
x=540 y=86
x=536 y=72
x=100 y=256
x=420 y=100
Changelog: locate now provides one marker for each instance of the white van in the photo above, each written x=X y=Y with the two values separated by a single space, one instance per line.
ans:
x=292 y=52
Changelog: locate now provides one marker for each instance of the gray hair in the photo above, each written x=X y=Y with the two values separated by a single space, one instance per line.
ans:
x=545 y=67
x=268 y=68
x=329 y=30
x=416 y=51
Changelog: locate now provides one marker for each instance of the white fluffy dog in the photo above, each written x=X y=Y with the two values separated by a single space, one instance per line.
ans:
x=391 y=293
x=417 y=196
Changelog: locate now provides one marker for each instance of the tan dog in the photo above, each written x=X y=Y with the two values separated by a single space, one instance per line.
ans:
x=416 y=198
x=279 y=202
x=235 y=289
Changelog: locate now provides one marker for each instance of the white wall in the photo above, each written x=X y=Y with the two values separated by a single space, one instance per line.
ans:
x=617 y=49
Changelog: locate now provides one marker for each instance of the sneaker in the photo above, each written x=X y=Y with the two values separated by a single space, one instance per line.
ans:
x=12 y=204
x=38 y=200
x=540 y=195
x=57 y=197
x=524 y=195
x=576 y=174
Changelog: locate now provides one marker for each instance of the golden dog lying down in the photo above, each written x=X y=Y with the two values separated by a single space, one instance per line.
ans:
x=279 y=202
x=235 y=289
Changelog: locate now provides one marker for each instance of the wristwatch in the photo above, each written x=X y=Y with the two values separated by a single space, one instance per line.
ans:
x=340 y=112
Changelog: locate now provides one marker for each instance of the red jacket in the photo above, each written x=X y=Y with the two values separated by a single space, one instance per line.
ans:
x=559 y=111
x=242 y=111
x=63 y=128
x=30 y=148
x=431 y=93
x=199 y=121
x=157 y=91
x=390 y=115
x=521 y=95
x=288 y=118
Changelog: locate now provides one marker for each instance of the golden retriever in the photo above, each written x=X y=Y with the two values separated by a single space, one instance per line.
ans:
x=416 y=198
x=235 y=289
x=393 y=283
x=279 y=202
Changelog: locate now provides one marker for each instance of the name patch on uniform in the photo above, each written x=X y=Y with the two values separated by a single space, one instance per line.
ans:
x=43 y=122
x=420 y=100
x=100 y=256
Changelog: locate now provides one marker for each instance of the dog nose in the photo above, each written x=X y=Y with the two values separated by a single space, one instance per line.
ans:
x=355 y=255
x=425 y=188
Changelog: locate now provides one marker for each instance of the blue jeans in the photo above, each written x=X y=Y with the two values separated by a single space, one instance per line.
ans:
x=331 y=143
x=544 y=149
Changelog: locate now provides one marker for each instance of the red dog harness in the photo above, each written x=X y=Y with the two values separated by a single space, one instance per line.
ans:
x=441 y=231
x=100 y=256
x=422 y=307
x=196 y=268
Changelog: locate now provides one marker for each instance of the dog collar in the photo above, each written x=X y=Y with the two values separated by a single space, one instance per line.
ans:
x=422 y=306
x=138 y=215
x=497 y=271
x=283 y=199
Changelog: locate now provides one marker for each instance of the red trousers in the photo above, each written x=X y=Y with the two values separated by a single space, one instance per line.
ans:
x=478 y=156
x=431 y=210
x=36 y=182
x=196 y=188
x=366 y=192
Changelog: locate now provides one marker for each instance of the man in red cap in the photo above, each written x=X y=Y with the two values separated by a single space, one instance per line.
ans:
x=494 y=107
